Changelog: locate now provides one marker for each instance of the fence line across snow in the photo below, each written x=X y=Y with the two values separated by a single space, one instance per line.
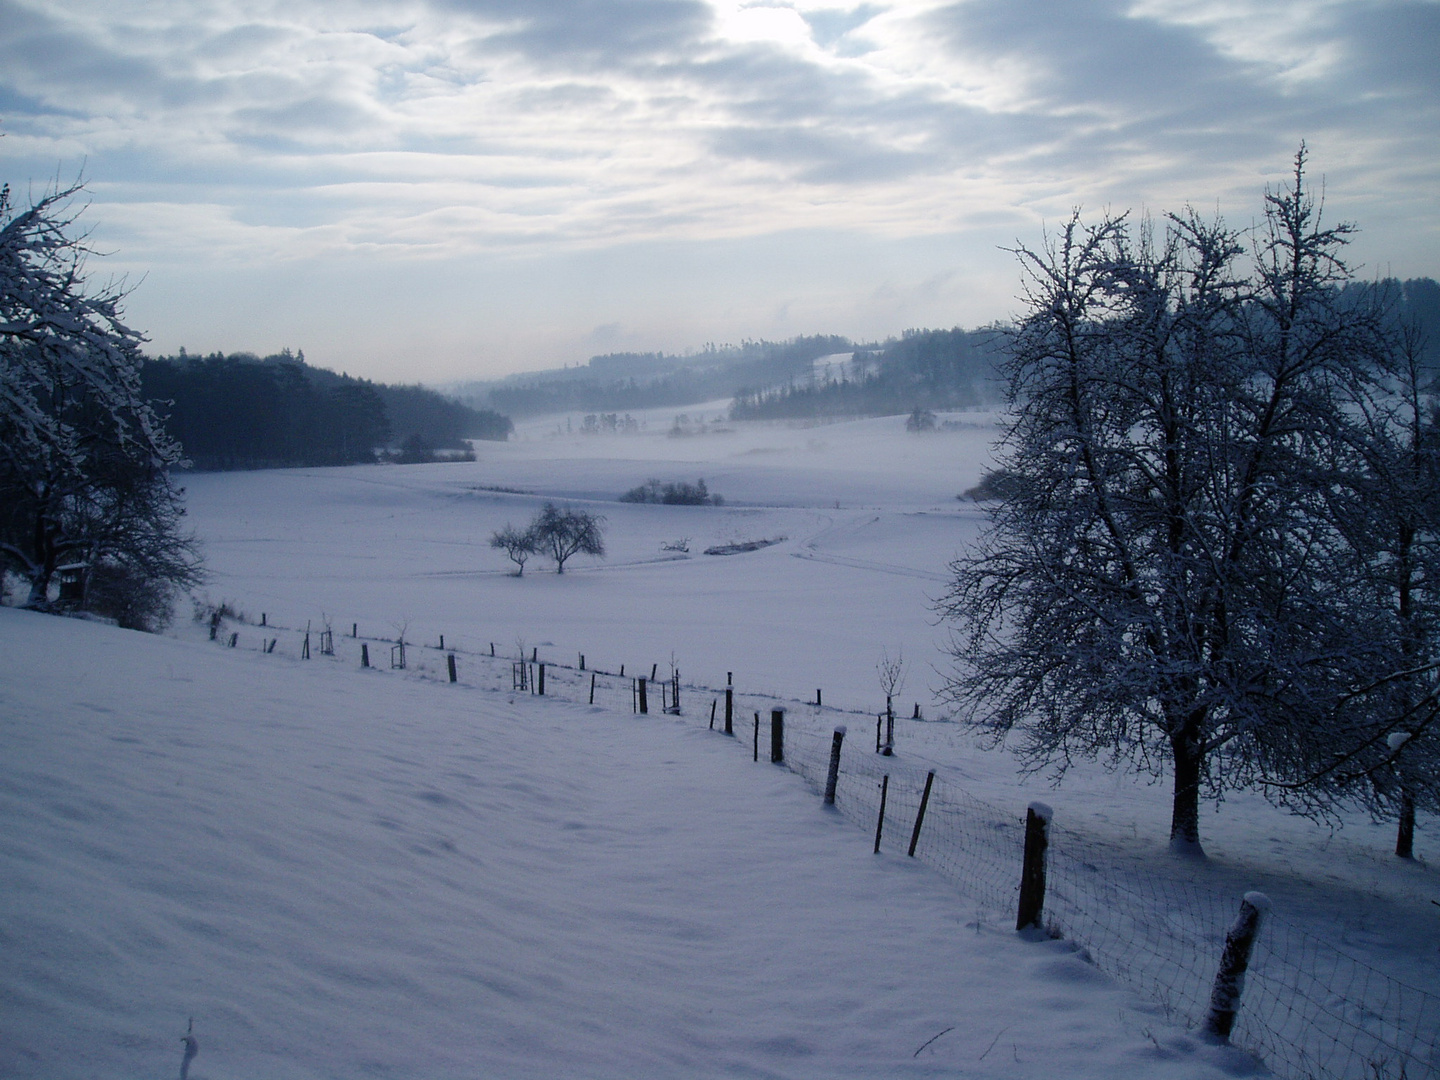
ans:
x=1308 y=1010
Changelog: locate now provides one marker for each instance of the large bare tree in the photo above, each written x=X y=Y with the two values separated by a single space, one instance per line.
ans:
x=1166 y=582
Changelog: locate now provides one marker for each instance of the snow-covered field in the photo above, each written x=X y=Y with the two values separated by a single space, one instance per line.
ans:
x=344 y=873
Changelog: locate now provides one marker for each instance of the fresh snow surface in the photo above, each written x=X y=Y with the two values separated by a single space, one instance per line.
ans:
x=870 y=520
x=346 y=873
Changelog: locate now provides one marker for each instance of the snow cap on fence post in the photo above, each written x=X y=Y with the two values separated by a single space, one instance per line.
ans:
x=1230 y=979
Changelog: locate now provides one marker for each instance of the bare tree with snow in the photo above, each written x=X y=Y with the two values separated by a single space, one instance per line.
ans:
x=1166 y=583
x=563 y=533
x=518 y=545
x=84 y=461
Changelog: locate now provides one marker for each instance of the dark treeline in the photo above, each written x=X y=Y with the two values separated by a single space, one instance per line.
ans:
x=933 y=369
x=243 y=412
x=624 y=381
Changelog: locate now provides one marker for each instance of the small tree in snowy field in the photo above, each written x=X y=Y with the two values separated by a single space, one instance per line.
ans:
x=561 y=533
x=518 y=545
x=1172 y=585
x=84 y=461
x=891 y=673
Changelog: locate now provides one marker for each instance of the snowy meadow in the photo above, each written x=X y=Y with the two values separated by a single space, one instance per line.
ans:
x=342 y=872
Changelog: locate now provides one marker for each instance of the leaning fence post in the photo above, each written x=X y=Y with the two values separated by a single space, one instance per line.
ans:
x=1032 y=875
x=834 y=777
x=920 y=815
x=713 y=703
x=777 y=736
x=450 y=663
x=1230 y=979
x=592 y=688
x=880 y=821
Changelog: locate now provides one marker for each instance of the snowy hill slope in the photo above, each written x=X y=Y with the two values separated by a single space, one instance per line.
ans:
x=342 y=873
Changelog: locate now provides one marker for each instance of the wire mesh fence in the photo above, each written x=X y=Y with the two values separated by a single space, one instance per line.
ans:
x=1309 y=1011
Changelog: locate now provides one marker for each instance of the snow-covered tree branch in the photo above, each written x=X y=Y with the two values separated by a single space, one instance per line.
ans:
x=84 y=461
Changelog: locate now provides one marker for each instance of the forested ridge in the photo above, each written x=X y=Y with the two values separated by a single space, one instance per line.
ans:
x=240 y=411
x=936 y=369
x=620 y=381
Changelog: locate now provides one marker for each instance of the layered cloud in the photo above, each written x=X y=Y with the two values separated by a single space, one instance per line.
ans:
x=255 y=131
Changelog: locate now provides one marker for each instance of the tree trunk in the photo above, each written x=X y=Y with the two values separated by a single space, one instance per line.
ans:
x=1405 y=834
x=1185 y=813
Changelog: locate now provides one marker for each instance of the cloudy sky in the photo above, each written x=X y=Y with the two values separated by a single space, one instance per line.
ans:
x=442 y=189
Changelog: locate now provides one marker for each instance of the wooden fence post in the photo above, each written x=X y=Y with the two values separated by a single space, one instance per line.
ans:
x=582 y=661
x=880 y=821
x=262 y=618
x=450 y=663
x=305 y=649
x=834 y=777
x=234 y=638
x=592 y=688
x=1032 y=875
x=729 y=709
x=644 y=703
x=777 y=736
x=879 y=719
x=713 y=703
x=354 y=629
x=889 y=727
x=364 y=654
x=492 y=650
x=920 y=816
x=1230 y=979
x=757 y=736
x=540 y=682
x=819 y=704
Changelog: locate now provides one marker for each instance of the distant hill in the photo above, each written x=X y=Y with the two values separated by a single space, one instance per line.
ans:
x=240 y=411
x=622 y=381
x=930 y=369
